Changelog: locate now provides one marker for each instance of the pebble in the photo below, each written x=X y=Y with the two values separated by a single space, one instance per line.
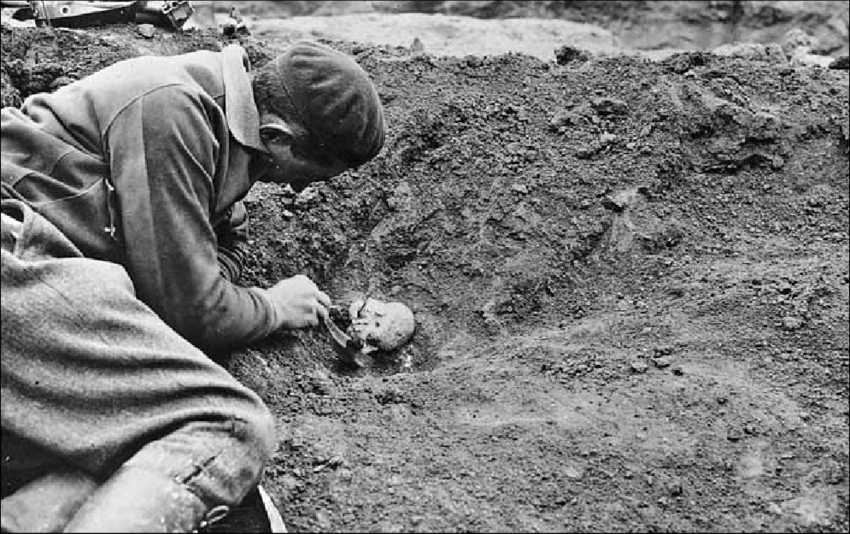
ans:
x=792 y=323
x=61 y=81
x=676 y=489
x=638 y=367
x=324 y=520
x=306 y=197
x=561 y=120
x=677 y=370
x=572 y=472
x=662 y=362
x=609 y=106
x=290 y=484
x=662 y=351
x=606 y=138
x=146 y=30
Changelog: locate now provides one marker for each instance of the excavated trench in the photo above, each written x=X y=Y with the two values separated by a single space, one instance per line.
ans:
x=630 y=280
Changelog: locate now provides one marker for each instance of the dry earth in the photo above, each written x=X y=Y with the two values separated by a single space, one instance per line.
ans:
x=630 y=280
x=537 y=27
x=445 y=35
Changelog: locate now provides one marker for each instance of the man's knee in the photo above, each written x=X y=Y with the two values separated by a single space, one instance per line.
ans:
x=253 y=444
x=260 y=433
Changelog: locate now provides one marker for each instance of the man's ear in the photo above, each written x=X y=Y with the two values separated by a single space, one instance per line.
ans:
x=276 y=133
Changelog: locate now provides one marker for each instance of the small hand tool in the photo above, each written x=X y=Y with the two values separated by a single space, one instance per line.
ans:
x=346 y=347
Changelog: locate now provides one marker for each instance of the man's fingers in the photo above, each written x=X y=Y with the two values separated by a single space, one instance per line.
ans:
x=324 y=299
x=322 y=314
x=324 y=303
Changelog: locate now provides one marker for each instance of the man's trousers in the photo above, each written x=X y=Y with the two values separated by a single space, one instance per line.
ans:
x=92 y=379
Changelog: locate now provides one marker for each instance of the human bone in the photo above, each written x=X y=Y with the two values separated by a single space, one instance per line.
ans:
x=381 y=325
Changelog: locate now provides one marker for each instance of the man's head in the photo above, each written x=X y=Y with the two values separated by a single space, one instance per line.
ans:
x=319 y=114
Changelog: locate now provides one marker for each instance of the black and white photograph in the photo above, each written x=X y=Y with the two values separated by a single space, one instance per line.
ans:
x=425 y=266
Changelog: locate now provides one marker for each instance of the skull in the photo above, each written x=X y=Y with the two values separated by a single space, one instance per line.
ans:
x=381 y=325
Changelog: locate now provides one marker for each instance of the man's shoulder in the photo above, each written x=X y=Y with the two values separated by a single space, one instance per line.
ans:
x=196 y=72
x=162 y=81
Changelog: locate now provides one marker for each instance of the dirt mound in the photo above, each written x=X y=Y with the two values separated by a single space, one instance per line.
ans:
x=444 y=35
x=630 y=280
x=646 y=25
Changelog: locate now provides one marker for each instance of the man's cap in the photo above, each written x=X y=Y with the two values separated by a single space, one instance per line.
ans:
x=335 y=99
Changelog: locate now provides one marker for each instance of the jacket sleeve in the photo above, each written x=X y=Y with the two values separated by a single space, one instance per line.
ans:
x=232 y=236
x=163 y=150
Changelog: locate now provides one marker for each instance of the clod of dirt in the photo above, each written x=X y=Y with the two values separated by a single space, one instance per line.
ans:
x=381 y=326
x=568 y=54
x=841 y=63
x=683 y=62
x=734 y=434
x=61 y=81
x=796 y=38
x=9 y=94
x=769 y=53
x=621 y=200
x=417 y=47
x=609 y=106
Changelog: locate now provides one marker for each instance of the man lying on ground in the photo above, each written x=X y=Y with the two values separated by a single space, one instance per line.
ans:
x=123 y=236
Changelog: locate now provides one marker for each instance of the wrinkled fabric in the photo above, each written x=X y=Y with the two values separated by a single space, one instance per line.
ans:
x=143 y=164
x=92 y=378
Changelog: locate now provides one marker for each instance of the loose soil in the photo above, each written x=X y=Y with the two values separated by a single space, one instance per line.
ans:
x=630 y=279
x=530 y=26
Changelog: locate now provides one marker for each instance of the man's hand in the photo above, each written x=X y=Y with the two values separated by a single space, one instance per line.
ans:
x=298 y=302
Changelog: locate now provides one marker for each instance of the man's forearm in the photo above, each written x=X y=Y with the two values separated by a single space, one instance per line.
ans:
x=232 y=235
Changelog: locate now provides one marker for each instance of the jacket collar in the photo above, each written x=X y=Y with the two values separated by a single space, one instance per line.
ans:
x=242 y=116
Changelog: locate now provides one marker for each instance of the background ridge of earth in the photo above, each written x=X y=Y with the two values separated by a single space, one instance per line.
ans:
x=630 y=279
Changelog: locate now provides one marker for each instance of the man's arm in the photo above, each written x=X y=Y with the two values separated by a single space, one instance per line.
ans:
x=232 y=236
x=163 y=150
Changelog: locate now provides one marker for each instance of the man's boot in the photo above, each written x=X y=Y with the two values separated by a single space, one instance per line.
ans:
x=47 y=503
x=140 y=500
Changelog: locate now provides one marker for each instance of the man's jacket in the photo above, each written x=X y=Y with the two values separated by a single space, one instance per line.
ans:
x=142 y=164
